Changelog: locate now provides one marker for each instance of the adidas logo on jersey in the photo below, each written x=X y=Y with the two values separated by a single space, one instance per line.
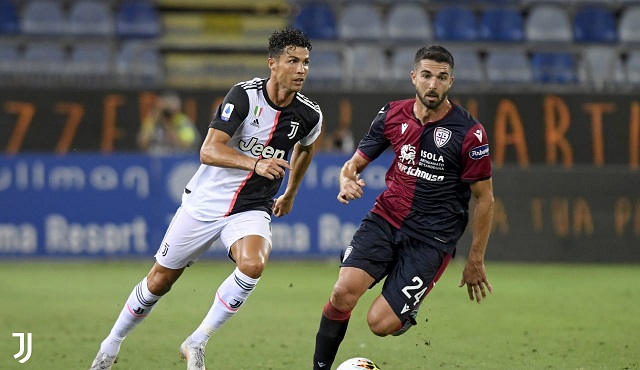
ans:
x=258 y=149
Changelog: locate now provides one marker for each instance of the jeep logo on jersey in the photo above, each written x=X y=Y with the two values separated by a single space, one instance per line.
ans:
x=294 y=129
x=258 y=149
x=441 y=136
x=479 y=152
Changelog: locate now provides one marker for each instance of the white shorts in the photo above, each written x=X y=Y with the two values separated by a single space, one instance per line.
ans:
x=187 y=239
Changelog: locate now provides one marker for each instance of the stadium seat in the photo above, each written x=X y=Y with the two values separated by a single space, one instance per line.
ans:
x=453 y=23
x=9 y=18
x=468 y=66
x=44 y=17
x=91 y=18
x=554 y=68
x=360 y=21
x=317 y=20
x=632 y=67
x=508 y=66
x=138 y=63
x=629 y=25
x=326 y=68
x=601 y=66
x=90 y=60
x=401 y=64
x=548 y=23
x=366 y=65
x=10 y=62
x=502 y=25
x=402 y=14
x=595 y=24
x=137 y=19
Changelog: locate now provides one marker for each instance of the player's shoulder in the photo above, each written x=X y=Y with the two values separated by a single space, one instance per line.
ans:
x=398 y=109
x=462 y=115
x=253 y=84
x=304 y=101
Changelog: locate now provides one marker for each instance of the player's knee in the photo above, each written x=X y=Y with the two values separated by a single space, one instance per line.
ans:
x=380 y=326
x=159 y=284
x=343 y=299
x=253 y=267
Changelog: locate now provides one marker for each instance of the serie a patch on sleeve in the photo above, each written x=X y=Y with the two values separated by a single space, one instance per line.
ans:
x=226 y=112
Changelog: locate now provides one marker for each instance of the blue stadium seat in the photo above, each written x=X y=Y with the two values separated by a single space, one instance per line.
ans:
x=502 y=25
x=402 y=14
x=360 y=21
x=555 y=68
x=44 y=18
x=317 y=20
x=137 y=19
x=91 y=18
x=9 y=18
x=453 y=23
x=595 y=24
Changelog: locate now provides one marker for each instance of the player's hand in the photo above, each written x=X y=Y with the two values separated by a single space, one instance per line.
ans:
x=474 y=277
x=271 y=168
x=282 y=206
x=350 y=190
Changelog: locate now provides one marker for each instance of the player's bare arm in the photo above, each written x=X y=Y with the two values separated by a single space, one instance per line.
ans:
x=350 y=184
x=474 y=274
x=300 y=160
x=216 y=152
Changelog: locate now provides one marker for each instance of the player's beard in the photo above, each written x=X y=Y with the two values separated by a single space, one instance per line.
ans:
x=428 y=104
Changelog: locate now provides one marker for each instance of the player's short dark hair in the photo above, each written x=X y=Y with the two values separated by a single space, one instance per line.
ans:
x=436 y=53
x=281 y=39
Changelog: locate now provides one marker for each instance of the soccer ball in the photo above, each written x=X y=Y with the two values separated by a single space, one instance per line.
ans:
x=358 y=363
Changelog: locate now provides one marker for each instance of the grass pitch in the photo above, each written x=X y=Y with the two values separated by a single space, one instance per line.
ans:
x=539 y=317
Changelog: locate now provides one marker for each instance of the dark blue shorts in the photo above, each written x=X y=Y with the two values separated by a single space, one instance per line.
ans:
x=411 y=266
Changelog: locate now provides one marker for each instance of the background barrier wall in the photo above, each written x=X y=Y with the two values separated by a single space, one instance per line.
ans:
x=524 y=129
x=94 y=205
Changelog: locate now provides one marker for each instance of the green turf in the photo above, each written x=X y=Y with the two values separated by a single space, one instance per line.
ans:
x=539 y=317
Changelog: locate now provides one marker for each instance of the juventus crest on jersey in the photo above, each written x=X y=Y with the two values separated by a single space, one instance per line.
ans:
x=259 y=129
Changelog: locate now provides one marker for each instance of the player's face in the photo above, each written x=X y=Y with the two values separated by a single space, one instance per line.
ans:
x=290 y=68
x=432 y=81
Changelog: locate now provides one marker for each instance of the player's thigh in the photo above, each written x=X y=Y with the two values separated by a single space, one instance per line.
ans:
x=186 y=240
x=247 y=235
x=372 y=248
x=413 y=276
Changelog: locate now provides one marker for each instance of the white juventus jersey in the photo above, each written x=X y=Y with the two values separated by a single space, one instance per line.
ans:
x=259 y=129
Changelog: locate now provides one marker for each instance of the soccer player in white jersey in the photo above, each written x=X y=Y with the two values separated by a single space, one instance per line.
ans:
x=231 y=196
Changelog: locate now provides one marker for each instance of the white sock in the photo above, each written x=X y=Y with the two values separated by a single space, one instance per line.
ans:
x=139 y=304
x=230 y=296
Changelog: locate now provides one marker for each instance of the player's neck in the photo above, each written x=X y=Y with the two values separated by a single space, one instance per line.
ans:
x=278 y=94
x=426 y=115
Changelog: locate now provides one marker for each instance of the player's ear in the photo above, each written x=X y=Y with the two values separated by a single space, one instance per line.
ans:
x=272 y=63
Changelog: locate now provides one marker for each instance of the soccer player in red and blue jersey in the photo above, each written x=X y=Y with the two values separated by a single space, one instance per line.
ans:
x=410 y=234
